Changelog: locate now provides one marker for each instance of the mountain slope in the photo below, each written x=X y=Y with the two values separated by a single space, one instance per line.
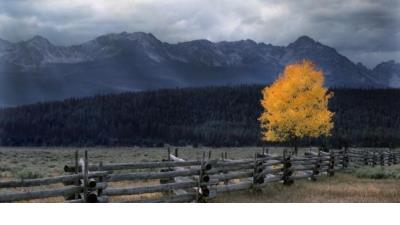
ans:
x=37 y=70
x=389 y=73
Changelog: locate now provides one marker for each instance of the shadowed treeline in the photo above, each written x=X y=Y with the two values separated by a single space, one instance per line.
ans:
x=211 y=116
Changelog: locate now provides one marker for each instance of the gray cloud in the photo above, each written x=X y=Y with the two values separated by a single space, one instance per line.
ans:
x=364 y=30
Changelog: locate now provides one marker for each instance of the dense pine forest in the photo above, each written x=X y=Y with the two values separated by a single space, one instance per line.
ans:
x=210 y=116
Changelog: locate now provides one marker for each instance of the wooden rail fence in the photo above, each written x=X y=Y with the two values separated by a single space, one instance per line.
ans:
x=180 y=180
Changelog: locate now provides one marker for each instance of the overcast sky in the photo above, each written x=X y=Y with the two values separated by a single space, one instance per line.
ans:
x=364 y=30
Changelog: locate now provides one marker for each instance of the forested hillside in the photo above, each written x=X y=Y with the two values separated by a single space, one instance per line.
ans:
x=211 y=116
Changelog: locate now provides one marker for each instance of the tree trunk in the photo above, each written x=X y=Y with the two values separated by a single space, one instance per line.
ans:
x=295 y=145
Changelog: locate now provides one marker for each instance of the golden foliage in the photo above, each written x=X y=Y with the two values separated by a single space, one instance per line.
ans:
x=296 y=104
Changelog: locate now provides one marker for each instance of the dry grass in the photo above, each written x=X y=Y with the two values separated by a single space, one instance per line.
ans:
x=343 y=187
x=46 y=162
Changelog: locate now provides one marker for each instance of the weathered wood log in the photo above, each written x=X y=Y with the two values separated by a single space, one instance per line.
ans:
x=309 y=162
x=271 y=171
x=207 y=166
x=155 y=188
x=235 y=187
x=229 y=163
x=232 y=168
x=269 y=180
x=144 y=165
x=182 y=180
x=101 y=185
x=152 y=175
x=302 y=176
x=230 y=176
x=12 y=197
x=302 y=168
x=49 y=180
x=149 y=189
x=309 y=158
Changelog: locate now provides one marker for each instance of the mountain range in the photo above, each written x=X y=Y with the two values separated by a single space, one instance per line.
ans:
x=37 y=70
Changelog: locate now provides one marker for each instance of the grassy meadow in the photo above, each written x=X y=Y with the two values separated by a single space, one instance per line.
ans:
x=361 y=185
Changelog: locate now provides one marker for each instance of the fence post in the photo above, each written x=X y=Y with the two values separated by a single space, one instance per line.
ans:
x=365 y=157
x=101 y=180
x=176 y=152
x=382 y=159
x=331 y=167
x=77 y=195
x=374 y=159
x=316 y=167
x=85 y=176
x=287 y=172
x=224 y=171
x=258 y=177
x=166 y=180
x=345 y=162
x=203 y=191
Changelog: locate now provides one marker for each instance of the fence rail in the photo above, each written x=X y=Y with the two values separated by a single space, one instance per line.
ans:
x=183 y=180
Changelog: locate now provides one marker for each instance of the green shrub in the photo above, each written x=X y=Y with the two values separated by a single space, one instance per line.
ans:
x=27 y=174
x=392 y=172
x=4 y=168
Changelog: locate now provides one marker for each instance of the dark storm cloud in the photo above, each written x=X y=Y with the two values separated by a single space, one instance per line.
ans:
x=364 y=30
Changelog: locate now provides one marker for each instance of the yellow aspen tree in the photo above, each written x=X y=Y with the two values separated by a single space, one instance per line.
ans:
x=296 y=105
